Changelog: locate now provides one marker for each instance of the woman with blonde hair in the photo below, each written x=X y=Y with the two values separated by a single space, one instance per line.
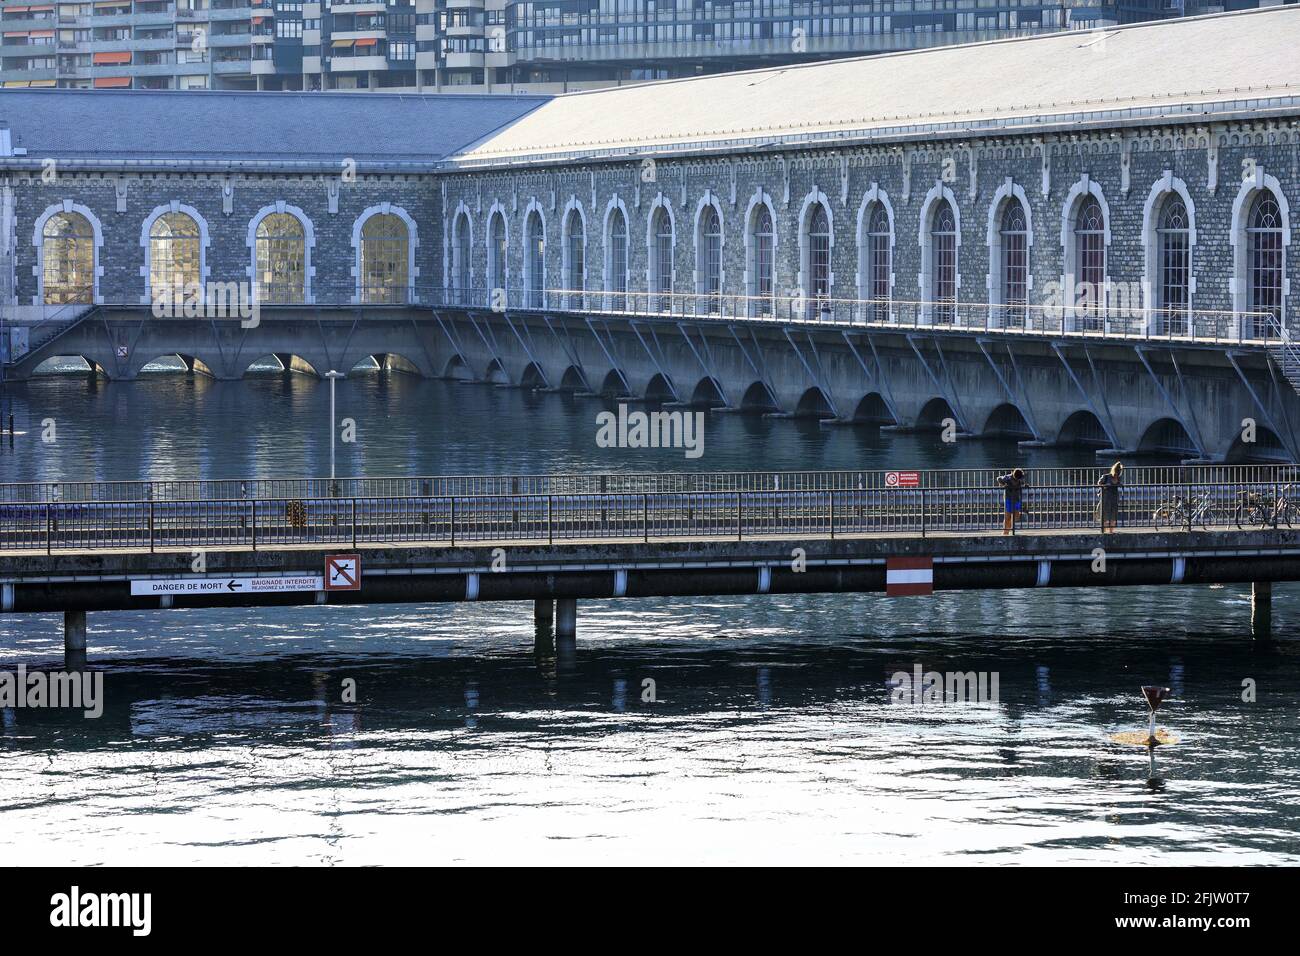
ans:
x=1108 y=497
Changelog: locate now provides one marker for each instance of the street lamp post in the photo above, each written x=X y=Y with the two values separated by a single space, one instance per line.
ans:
x=333 y=376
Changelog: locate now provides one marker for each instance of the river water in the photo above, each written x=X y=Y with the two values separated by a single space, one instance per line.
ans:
x=772 y=735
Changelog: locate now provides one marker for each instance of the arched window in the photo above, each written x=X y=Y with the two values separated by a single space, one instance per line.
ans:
x=534 y=260
x=763 y=258
x=877 y=264
x=576 y=253
x=174 y=256
x=460 y=265
x=708 y=261
x=68 y=254
x=819 y=261
x=1015 y=264
x=1264 y=260
x=281 y=259
x=385 y=252
x=1090 y=264
x=1173 y=294
x=661 y=265
x=616 y=267
x=496 y=249
x=943 y=243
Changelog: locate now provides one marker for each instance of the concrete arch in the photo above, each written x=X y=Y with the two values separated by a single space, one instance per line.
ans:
x=933 y=413
x=533 y=376
x=1268 y=448
x=1165 y=186
x=495 y=373
x=458 y=369
x=758 y=398
x=38 y=235
x=666 y=204
x=46 y=367
x=190 y=364
x=708 y=393
x=874 y=196
x=873 y=410
x=146 y=227
x=1082 y=428
x=813 y=403
x=615 y=385
x=308 y=244
x=388 y=362
x=574 y=379
x=289 y=363
x=660 y=389
x=412 y=244
x=1007 y=420
x=1166 y=436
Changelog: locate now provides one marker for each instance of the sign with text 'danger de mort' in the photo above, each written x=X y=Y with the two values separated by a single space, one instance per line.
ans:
x=343 y=572
x=160 y=587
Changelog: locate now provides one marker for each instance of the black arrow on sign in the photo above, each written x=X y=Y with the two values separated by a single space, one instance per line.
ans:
x=232 y=586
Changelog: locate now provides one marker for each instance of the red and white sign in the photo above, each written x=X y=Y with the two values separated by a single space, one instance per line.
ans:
x=902 y=479
x=909 y=576
x=343 y=572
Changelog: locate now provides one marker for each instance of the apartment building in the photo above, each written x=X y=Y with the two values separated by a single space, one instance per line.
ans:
x=497 y=46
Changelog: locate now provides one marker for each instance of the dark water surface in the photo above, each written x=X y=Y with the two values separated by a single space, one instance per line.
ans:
x=773 y=736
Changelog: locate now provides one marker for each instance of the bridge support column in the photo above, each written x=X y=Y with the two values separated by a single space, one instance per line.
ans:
x=566 y=627
x=543 y=626
x=1261 y=610
x=74 y=640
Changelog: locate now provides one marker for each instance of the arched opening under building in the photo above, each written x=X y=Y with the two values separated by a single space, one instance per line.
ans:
x=872 y=410
x=707 y=394
x=1007 y=421
x=1266 y=449
x=1167 y=436
x=933 y=415
x=1082 y=429
x=814 y=404
x=659 y=389
x=758 y=398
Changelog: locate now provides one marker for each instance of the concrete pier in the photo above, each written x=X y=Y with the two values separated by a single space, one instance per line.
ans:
x=566 y=629
x=543 y=612
x=1261 y=610
x=74 y=640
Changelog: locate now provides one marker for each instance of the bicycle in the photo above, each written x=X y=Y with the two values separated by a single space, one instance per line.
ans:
x=1179 y=512
x=1262 y=511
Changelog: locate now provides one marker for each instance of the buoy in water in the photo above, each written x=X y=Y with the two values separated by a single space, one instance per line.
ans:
x=1154 y=696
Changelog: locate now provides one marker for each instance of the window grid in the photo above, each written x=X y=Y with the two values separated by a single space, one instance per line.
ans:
x=1015 y=265
x=663 y=264
x=577 y=261
x=943 y=236
x=536 y=260
x=281 y=259
x=1264 y=238
x=878 y=264
x=764 y=263
x=1090 y=265
x=819 y=262
x=618 y=259
x=1174 y=238
x=173 y=257
x=385 y=251
x=68 y=252
x=461 y=267
x=710 y=262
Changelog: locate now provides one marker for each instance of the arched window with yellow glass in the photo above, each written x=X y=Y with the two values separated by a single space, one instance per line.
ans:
x=385 y=274
x=67 y=252
x=175 y=257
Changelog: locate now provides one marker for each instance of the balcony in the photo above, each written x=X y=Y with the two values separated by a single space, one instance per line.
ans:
x=358 y=64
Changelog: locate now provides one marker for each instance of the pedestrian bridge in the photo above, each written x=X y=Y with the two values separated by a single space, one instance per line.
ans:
x=76 y=547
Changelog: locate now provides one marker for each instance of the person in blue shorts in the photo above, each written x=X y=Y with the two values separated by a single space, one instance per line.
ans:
x=1012 y=487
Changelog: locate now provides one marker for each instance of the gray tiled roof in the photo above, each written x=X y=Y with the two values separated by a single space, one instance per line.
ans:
x=221 y=126
x=1152 y=69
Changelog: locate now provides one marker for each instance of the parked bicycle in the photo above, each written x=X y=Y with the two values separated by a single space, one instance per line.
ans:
x=1180 y=512
x=1262 y=511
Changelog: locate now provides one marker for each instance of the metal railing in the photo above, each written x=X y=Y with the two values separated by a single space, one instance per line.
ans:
x=555 y=509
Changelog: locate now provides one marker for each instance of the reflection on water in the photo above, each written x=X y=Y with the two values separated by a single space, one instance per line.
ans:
x=230 y=736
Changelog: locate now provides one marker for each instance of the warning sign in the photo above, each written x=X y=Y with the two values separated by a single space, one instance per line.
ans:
x=343 y=572
x=902 y=479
